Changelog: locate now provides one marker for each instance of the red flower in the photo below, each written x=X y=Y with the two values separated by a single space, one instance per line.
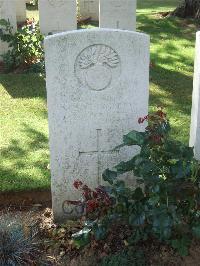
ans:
x=91 y=206
x=77 y=184
x=142 y=119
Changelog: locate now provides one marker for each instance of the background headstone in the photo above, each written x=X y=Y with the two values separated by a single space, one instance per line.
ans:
x=195 y=116
x=118 y=14
x=7 y=12
x=21 y=10
x=89 y=8
x=57 y=16
x=97 y=88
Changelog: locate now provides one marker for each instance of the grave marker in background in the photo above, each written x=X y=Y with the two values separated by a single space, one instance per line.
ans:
x=21 y=10
x=195 y=116
x=57 y=16
x=97 y=88
x=89 y=8
x=118 y=14
x=7 y=12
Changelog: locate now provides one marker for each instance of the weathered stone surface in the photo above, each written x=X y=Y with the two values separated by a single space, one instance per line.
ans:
x=118 y=14
x=21 y=10
x=97 y=87
x=89 y=8
x=195 y=116
x=57 y=16
x=8 y=12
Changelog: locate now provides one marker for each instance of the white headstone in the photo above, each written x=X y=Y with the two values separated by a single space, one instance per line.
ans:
x=195 y=116
x=89 y=8
x=97 y=87
x=57 y=16
x=21 y=10
x=7 y=12
x=118 y=14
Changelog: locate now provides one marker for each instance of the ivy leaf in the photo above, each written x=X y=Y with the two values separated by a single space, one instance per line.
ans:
x=4 y=22
x=181 y=170
x=153 y=201
x=134 y=138
x=124 y=167
x=109 y=176
x=138 y=219
x=120 y=187
x=138 y=194
x=162 y=224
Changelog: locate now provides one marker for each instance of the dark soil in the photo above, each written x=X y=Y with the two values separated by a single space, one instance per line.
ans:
x=58 y=249
x=23 y=199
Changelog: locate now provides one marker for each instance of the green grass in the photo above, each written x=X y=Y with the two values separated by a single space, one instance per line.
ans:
x=154 y=6
x=24 y=134
x=32 y=12
x=23 y=114
x=171 y=75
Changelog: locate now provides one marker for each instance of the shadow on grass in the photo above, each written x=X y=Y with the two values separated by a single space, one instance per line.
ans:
x=24 y=85
x=171 y=74
x=174 y=89
x=24 y=165
x=168 y=27
x=172 y=60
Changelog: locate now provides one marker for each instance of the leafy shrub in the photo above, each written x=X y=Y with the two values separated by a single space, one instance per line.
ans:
x=166 y=203
x=15 y=247
x=25 y=45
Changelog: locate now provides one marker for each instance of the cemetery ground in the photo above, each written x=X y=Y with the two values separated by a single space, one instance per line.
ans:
x=24 y=141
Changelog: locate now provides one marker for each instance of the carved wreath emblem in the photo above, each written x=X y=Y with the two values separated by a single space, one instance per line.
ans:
x=57 y=3
x=96 y=65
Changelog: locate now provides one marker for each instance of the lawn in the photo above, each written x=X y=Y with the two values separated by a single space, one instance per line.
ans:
x=23 y=114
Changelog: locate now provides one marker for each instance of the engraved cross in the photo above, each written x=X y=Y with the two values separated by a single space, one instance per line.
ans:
x=99 y=153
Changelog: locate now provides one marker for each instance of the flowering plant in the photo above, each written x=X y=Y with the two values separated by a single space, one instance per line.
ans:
x=167 y=205
x=26 y=45
x=95 y=201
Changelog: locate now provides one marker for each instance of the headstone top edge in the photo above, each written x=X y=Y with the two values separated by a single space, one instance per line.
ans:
x=79 y=32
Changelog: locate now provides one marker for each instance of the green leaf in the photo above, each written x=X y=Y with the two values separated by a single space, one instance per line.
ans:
x=120 y=187
x=124 y=167
x=109 y=176
x=138 y=234
x=137 y=219
x=138 y=194
x=134 y=138
x=4 y=22
x=161 y=223
x=181 y=169
x=153 y=201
